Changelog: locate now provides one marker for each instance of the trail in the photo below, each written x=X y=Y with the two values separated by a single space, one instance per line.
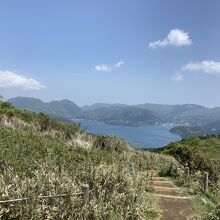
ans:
x=173 y=205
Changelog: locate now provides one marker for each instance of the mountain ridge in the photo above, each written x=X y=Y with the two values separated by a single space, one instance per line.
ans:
x=185 y=115
x=62 y=108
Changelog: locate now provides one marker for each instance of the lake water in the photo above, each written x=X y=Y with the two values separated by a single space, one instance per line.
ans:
x=148 y=136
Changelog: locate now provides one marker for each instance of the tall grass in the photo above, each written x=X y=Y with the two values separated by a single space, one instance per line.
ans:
x=32 y=164
x=41 y=156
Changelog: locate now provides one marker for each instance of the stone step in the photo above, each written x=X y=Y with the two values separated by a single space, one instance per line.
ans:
x=167 y=192
x=157 y=178
x=161 y=181
x=173 y=197
x=163 y=184
x=166 y=188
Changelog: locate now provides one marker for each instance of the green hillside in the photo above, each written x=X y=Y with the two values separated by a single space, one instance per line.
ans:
x=40 y=156
x=210 y=147
x=198 y=153
x=122 y=115
x=62 y=109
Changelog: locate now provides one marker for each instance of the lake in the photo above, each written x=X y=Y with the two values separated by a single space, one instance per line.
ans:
x=148 y=136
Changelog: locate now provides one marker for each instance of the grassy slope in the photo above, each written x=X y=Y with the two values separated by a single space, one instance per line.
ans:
x=210 y=147
x=39 y=156
x=200 y=154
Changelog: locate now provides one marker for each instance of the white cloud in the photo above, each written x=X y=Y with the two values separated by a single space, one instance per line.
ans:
x=207 y=66
x=10 y=79
x=177 y=77
x=120 y=63
x=175 y=37
x=108 y=68
x=103 y=68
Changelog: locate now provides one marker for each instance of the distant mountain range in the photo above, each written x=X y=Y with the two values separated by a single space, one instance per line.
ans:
x=189 y=119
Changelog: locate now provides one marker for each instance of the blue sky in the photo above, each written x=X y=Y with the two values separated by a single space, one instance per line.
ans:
x=111 y=51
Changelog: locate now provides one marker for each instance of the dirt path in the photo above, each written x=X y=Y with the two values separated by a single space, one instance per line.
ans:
x=173 y=205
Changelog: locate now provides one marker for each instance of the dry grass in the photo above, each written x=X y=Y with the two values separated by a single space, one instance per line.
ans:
x=40 y=156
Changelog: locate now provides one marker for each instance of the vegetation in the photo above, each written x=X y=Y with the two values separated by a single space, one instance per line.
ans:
x=40 y=156
x=64 y=108
x=197 y=154
x=205 y=130
x=123 y=115
x=210 y=146
x=33 y=165
x=200 y=155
